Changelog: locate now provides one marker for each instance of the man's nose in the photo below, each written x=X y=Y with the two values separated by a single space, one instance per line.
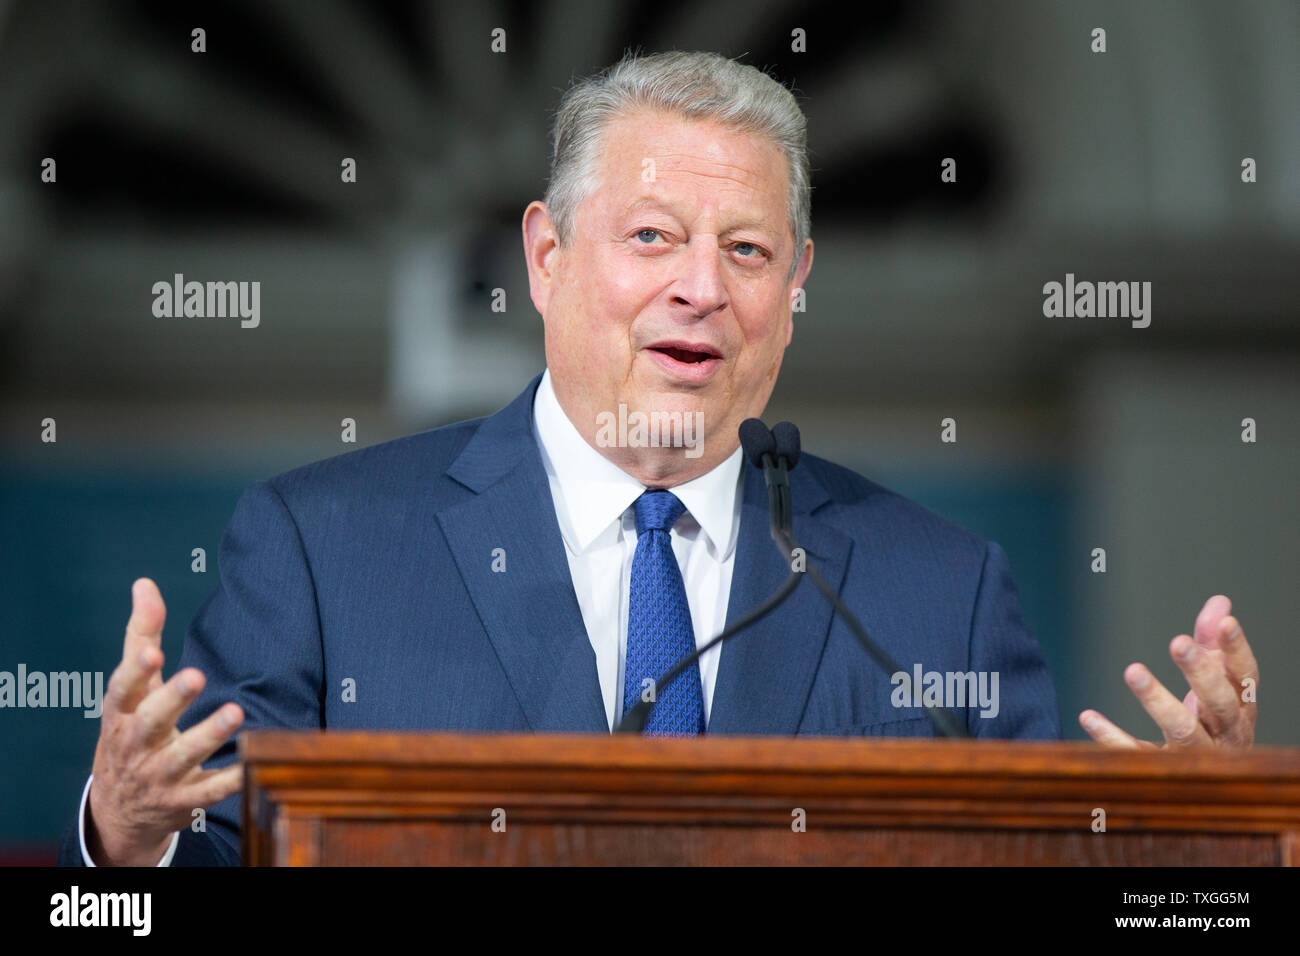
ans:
x=700 y=285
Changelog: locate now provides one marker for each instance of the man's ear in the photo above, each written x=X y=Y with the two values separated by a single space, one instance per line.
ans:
x=805 y=265
x=800 y=277
x=540 y=248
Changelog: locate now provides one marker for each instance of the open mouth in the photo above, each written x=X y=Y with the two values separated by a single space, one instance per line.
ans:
x=688 y=353
x=691 y=356
x=687 y=361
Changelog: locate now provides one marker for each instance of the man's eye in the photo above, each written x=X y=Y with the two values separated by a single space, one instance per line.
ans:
x=741 y=246
x=652 y=233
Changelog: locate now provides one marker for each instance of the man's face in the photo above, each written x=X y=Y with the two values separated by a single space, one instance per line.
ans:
x=675 y=292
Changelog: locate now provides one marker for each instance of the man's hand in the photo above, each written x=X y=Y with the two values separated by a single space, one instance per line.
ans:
x=148 y=775
x=1219 y=710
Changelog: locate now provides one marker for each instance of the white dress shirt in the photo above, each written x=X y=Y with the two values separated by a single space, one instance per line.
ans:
x=593 y=502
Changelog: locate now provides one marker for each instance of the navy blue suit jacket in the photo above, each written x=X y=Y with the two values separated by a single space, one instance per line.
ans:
x=377 y=566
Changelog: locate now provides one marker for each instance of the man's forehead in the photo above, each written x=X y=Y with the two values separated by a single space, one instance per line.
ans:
x=742 y=218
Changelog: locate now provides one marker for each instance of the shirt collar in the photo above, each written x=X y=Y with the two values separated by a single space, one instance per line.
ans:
x=596 y=492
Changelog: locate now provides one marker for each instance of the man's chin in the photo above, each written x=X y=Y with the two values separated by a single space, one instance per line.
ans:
x=670 y=399
x=659 y=417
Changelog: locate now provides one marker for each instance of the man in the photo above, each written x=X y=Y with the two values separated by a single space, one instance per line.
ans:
x=535 y=569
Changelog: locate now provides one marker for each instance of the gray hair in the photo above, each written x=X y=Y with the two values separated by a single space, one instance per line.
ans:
x=694 y=85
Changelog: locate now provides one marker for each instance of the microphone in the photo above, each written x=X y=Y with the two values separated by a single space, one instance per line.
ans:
x=786 y=437
x=755 y=439
x=761 y=450
x=777 y=453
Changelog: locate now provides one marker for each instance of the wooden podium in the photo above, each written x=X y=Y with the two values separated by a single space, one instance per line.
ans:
x=337 y=799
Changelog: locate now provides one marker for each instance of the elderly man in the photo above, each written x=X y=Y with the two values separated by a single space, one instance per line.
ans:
x=534 y=570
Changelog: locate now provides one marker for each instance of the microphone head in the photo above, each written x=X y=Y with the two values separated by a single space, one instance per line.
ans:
x=786 y=437
x=757 y=440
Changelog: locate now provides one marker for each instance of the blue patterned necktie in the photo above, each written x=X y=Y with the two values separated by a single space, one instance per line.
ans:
x=659 y=631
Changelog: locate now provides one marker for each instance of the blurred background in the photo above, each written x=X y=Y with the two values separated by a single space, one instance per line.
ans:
x=925 y=301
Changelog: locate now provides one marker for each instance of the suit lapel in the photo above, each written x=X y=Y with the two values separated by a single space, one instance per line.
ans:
x=532 y=617
x=529 y=610
x=765 y=673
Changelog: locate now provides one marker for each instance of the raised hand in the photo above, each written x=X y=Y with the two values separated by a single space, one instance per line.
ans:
x=148 y=776
x=1219 y=710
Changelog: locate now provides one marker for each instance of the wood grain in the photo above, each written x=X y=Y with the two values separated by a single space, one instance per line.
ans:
x=325 y=798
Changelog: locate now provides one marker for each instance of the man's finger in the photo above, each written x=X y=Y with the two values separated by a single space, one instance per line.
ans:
x=1238 y=658
x=132 y=680
x=148 y=615
x=141 y=667
x=1182 y=730
x=1243 y=676
x=1207 y=622
x=201 y=741
x=213 y=786
x=158 y=713
x=1104 y=732
x=1217 y=704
